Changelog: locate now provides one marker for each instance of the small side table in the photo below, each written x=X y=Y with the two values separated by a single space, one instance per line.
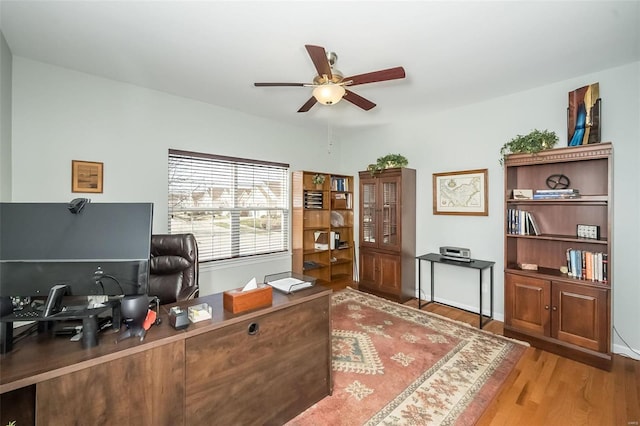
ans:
x=480 y=265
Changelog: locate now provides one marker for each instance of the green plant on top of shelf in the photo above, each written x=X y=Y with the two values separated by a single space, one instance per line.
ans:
x=318 y=179
x=536 y=141
x=387 y=162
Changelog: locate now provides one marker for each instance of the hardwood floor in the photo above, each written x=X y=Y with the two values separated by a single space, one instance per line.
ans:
x=547 y=389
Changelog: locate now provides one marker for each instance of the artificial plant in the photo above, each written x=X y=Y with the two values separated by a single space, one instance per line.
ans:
x=536 y=141
x=387 y=162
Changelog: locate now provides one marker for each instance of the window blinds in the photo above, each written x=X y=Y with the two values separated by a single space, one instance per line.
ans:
x=235 y=207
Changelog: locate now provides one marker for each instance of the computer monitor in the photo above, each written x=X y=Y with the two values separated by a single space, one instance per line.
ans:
x=101 y=248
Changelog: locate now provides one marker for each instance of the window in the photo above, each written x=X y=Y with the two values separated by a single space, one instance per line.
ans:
x=235 y=207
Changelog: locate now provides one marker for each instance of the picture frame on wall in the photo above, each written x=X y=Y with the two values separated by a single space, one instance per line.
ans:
x=461 y=193
x=583 y=115
x=86 y=176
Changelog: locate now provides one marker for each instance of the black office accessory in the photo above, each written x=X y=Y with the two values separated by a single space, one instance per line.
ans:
x=6 y=328
x=77 y=204
x=178 y=318
x=134 y=310
x=53 y=304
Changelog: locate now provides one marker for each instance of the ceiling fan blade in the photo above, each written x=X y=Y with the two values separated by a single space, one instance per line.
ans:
x=375 y=76
x=278 y=84
x=307 y=106
x=358 y=100
x=319 y=58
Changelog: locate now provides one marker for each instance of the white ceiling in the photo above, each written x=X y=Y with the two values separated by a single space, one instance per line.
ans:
x=454 y=53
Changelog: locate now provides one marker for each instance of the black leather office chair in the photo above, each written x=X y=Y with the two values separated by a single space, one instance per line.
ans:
x=173 y=267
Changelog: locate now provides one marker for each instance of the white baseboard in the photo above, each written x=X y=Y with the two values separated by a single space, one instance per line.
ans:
x=617 y=349
x=625 y=351
x=473 y=309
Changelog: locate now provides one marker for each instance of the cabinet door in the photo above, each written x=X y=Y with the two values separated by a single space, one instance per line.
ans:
x=389 y=274
x=389 y=212
x=368 y=211
x=368 y=269
x=580 y=315
x=527 y=303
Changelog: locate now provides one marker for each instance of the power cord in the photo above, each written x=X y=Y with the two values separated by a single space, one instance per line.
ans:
x=99 y=274
x=624 y=341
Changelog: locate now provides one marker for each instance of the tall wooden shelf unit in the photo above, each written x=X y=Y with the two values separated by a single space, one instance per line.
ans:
x=550 y=309
x=388 y=233
x=322 y=227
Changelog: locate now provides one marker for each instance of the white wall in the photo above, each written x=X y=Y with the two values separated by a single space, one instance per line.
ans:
x=471 y=138
x=61 y=115
x=6 y=60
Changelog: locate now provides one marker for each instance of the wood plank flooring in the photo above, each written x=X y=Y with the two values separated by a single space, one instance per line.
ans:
x=547 y=389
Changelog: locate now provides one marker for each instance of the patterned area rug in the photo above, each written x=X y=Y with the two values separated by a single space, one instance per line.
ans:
x=396 y=365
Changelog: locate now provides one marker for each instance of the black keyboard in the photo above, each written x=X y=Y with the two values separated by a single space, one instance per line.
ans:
x=73 y=311
x=24 y=315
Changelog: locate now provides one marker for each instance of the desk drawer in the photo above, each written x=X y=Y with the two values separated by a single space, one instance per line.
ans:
x=261 y=371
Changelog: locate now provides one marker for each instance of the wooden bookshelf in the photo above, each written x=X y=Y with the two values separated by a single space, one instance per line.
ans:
x=551 y=309
x=322 y=227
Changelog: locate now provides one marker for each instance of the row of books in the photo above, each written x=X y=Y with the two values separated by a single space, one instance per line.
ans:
x=339 y=184
x=521 y=222
x=553 y=194
x=587 y=265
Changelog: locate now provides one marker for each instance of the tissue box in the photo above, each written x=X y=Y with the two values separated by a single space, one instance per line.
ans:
x=236 y=301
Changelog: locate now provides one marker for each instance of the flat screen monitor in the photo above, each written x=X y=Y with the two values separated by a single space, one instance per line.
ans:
x=102 y=249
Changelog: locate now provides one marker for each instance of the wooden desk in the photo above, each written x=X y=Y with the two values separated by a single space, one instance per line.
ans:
x=480 y=265
x=212 y=370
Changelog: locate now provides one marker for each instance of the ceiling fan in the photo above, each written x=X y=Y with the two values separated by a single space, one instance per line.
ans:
x=329 y=86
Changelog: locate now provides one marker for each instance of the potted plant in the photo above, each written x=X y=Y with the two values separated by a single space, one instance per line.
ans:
x=387 y=162
x=318 y=180
x=536 y=141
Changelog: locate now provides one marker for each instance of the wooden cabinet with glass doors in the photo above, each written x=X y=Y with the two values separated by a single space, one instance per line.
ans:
x=322 y=226
x=388 y=233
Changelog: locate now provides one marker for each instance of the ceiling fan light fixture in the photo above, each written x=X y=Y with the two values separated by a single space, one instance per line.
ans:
x=329 y=93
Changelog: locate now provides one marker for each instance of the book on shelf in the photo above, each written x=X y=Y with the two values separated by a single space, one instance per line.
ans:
x=534 y=225
x=521 y=222
x=543 y=194
x=555 y=196
x=587 y=265
x=339 y=184
x=557 y=191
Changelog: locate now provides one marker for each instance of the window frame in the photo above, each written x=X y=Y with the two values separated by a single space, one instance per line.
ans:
x=245 y=170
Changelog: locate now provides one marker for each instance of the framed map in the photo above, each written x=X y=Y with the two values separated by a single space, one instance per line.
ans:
x=461 y=193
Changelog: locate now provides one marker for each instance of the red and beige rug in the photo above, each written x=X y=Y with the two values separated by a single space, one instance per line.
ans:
x=396 y=365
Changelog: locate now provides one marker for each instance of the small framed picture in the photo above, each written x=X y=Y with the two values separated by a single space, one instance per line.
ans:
x=86 y=176
x=588 y=231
